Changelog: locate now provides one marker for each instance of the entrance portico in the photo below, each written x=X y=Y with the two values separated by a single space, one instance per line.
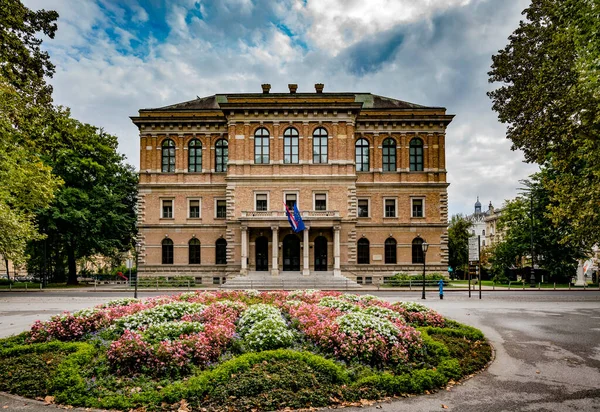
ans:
x=317 y=248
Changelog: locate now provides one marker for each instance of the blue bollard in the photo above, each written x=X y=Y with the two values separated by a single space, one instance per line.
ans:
x=441 y=283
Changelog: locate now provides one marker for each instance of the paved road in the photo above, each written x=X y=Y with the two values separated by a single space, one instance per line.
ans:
x=547 y=347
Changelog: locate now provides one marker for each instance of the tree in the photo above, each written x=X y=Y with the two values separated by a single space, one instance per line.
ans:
x=519 y=230
x=22 y=62
x=551 y=104
x=94 y=211
x=26 y=184
x=458 y=243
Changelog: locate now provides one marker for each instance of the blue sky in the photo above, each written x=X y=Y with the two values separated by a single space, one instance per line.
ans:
x=114 y=57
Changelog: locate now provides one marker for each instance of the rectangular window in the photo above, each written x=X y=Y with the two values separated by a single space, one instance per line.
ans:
x=216 y=280
x=359 y=280
x=290 y=200
x=194 y=207
x=320 y=201
x=417 y=208
x=261 y=201
x=221 y=209
x=369 y=280
x=390 y=208
x=167 y=209
x=363 y=208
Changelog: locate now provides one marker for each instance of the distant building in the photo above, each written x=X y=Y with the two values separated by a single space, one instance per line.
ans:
x=478 y=221
x=493 y=234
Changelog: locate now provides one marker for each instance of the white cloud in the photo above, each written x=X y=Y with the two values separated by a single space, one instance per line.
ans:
x=443 y=60
x=340 y=23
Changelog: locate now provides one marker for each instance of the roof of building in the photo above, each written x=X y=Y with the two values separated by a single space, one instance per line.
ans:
x=368 y=100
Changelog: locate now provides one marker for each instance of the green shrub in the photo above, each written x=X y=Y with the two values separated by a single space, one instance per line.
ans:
x=29 y=374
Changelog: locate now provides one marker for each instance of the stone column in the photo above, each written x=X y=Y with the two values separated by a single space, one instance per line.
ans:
x=244 y=270
x=336 y=251
x=275 y=251
x=305 y=265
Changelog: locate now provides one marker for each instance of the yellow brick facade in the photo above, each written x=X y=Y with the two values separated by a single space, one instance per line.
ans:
x=262 y=240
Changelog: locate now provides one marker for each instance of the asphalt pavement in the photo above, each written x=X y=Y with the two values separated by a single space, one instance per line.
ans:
x=547 y=347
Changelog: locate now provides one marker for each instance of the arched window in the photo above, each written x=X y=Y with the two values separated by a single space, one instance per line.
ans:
x=483 y=232
x=194 y=251
x=417 y=251
x=221 y=155
x=362 y=155
x=261 y=146
x=390 y=250
x=167 y=252
x=168 y=156
x=221 y=251
x=389 y=155
x=195 y=156
x=362 y=252
x=320 y=145
x=290 y=145
x=416 y=155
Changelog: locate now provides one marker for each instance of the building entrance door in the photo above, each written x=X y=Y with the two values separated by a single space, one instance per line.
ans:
x=320 y=253
x=262 y=253
x=291 y=253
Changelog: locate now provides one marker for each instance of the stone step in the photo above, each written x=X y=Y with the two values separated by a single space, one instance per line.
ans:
x=290 y=281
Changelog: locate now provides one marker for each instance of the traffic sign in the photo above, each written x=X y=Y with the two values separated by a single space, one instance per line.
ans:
x=474 y=249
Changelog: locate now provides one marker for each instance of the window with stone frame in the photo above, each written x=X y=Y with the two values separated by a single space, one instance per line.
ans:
x=290 y=146
x=221 y=209
x=167 y=252
x=390 y=207
x=389 y=155
x=290 y=200
x=262 y=201
x=320 y=201
x=417 y=251
x=320 y=145
x=416 y=155
x=194 y=251
x=363 y=251
x=362 y=155
x=221 y=251
x=363 y=207
x=166 y=209
x=221 y=155
x=194 y=208
x=390 y=251
x=195 y=156
x=168 y=156
x=417 y=208
x=261 y=146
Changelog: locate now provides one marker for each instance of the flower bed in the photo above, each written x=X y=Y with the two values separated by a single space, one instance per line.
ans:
x=235 y=350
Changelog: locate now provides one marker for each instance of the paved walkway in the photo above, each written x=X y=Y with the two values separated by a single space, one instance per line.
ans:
x=547 y=348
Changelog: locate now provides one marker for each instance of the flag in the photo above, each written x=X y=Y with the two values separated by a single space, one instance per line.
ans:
x=294 y=218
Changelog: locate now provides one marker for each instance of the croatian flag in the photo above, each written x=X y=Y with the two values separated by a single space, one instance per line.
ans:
x=294 y=218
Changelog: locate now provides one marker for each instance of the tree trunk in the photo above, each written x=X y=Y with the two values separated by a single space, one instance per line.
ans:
x=7 y=271
x=72 y=278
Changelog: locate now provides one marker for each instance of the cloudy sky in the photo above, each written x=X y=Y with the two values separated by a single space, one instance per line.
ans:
x=114 y=57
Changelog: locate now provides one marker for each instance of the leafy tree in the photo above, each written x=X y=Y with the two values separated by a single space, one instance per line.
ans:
x=558 y=258
x=94 y=212
x=22 y=61
x=458 y=243
x=26 y=184
x=551 y=104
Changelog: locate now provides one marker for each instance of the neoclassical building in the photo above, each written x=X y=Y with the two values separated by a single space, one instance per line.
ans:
x=368 y=174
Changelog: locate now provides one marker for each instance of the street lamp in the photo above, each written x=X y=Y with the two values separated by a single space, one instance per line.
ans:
x=138 y=248
x=425 y=246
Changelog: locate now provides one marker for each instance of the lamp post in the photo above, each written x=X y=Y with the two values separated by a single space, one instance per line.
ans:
x=425 y=246
x=138 y=248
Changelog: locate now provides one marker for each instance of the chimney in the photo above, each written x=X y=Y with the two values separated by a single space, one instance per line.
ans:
x=319 y=87
x=293 y=88
x=266 y=88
